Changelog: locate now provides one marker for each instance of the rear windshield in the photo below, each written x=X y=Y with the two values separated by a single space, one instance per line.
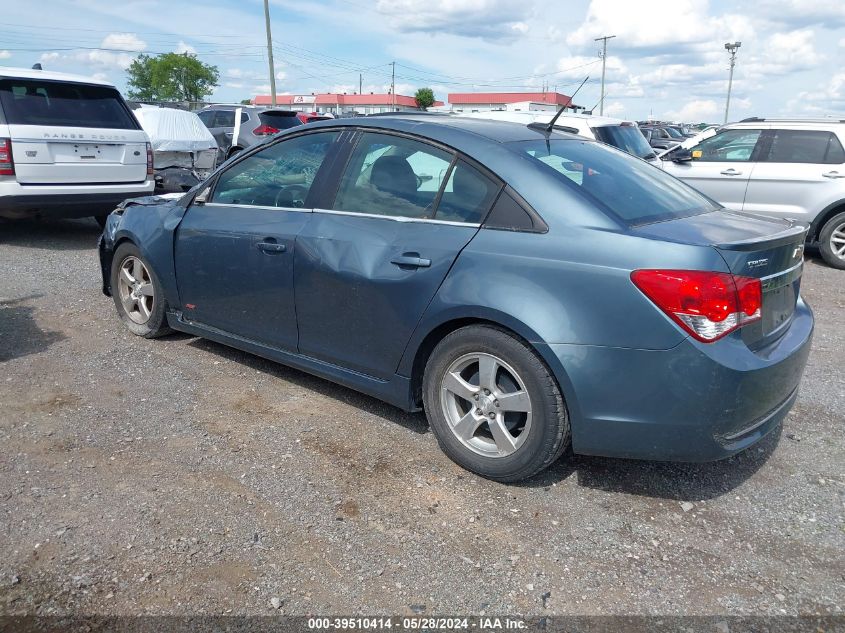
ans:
x=628 y=138
x=628 y=189
x=35 y=102
x=279 y=120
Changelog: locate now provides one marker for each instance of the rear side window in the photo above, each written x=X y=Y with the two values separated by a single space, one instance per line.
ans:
x=805 y=146
x=37 y=102
x=631 y=190
x=224 y=118
x=467 y=195
x=207 y=117
x=393 y=176
x=628 y=138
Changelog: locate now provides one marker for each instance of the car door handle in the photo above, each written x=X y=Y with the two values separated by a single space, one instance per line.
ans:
x=228 y=133
x=271 y=247
x=833 y=174
x=731 y=172
x=412 y=260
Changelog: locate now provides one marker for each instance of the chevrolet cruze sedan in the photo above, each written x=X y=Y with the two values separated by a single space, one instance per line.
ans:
x=527 y=288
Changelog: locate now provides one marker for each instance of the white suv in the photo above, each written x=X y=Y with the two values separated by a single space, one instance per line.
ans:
x=792 y=168
x=624 y=135
x=69 y=146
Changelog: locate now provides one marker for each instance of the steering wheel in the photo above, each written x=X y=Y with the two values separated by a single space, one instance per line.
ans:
x=298 y=195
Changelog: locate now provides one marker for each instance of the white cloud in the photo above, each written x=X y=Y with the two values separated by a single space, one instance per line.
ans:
x=830 y=13
x=827 y=98
x=5 y=54
x=124 y=42
x=695 y=111
x=113 y=57
x=784 y=53
x=280 y=75
x=48 y=58
x=489 y=19
x=182 y=48
x=614 y=109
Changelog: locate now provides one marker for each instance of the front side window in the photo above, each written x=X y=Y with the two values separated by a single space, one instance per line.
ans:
x=279 y=176
x=392 y=176
x=727 y=147
x=35 y=102
x=631 y=190
x=805 y=146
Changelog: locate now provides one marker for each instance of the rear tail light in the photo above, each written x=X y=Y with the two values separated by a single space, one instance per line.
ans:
x=265 y=130
x=7 y=165
x=708 y=305
x=149 y=160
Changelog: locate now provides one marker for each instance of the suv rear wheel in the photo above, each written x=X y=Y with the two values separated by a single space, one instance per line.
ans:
x=493 y=405
x=832 y=241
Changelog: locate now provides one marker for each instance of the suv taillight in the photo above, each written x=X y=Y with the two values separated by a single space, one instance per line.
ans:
x=150 y=170
x=7 y=165
x=708 y=305
x=265 y=130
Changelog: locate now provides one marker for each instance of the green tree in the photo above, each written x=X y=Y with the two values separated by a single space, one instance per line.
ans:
x=424 y=98
x=171 y=77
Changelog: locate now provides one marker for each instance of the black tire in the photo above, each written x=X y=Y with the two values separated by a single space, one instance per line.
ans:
x=548 y=436
x=825 y=247
x=101 y=219
x=156 y=325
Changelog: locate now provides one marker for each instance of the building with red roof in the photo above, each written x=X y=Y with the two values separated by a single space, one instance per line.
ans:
x=335 y=103
x=480 y=101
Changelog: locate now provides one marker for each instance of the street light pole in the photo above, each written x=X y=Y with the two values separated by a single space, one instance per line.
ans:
x=732 y=49
x=603 y=67
x=270 y=53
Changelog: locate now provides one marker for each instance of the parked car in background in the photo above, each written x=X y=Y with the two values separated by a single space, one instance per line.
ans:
x=184 y=150
x=660 y=137
x=526 y=288
x=624 y=135
x=69 y=146
x=312 y=117
x=238 y=127
x=693 y=140
x=788 y=168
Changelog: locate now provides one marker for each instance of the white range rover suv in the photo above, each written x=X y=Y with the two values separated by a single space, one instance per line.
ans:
x=789 y=168
x=69 y=146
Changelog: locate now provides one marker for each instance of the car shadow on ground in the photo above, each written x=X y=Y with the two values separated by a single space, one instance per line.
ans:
x=663 y=480
x=51 y=234
x=415 y=422
x=19 y=334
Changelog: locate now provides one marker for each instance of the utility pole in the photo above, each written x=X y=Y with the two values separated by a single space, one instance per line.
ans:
x=731 y=48
x=270 y=53
x=393 y=84
x=603 y=67
x=360 y=84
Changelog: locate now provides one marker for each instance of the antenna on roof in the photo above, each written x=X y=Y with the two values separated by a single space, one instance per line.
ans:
x=37 y=66
x=551 y=124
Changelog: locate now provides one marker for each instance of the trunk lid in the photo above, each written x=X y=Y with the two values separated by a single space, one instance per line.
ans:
x=769 y=249
x=58 y=155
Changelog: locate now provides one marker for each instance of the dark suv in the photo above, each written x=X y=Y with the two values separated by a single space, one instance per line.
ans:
x=256 y=124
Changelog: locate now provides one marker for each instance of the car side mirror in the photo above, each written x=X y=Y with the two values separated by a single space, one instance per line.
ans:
x=682 y=155
x=202 y=196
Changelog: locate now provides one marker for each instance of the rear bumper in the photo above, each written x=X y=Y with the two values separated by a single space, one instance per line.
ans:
x=694 y=402
x=17 y=201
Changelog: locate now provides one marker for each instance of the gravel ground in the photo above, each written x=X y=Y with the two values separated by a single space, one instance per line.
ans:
x=179 y=476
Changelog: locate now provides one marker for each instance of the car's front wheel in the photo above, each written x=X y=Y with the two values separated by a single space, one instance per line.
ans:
x=493 y=405
x=832 y=241
x=137 y=293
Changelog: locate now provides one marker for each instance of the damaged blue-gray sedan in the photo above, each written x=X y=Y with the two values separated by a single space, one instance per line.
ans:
x=527 y=288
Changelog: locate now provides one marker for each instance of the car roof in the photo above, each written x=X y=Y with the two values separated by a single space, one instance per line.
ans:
x=784 y=123
x=30 y=73
x=462 y=133
x=544 y=116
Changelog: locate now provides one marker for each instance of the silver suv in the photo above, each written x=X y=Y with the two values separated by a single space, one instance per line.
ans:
x=793 y=168
x=239 y=127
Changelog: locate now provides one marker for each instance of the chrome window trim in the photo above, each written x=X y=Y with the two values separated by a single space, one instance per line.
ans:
x=397 y=218
x=257 y=206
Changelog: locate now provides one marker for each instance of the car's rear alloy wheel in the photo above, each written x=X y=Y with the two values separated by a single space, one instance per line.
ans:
x=137 y=293
x=486 y=404
x=493 y=404
x=832 y=241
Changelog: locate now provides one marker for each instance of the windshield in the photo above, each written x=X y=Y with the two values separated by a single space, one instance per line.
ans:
x=279 y=120
x=674 y=133
x=627 y=138
x=630 y=190
x=34 y=102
